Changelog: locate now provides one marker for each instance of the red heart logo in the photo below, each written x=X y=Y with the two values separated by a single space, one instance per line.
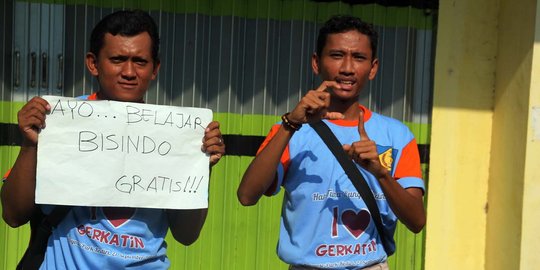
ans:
x=117 y=216
x=356 y=223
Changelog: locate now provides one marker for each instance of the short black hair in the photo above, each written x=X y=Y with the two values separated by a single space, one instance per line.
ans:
x=345 y=23
x=125 y=23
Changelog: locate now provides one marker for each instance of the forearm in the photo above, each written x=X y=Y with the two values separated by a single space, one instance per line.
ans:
x=186 y=225
x=407 y=204
x=261 y=173
x=19 y=189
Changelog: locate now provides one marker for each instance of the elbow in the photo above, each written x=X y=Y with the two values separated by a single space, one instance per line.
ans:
x=245 y=202
x=418 y=226
x=186 y=240
x=245 y=199
x=186 y=236
x=416 y=229
x=13 y=220
x=15 y=213
x=186 y=225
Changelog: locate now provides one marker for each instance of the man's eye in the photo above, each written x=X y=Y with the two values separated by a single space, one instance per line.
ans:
x=360 y=57
x=117 y=60
x=336 y=55
x=140 y=62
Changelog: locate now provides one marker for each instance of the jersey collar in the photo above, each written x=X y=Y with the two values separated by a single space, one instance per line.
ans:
x=353 y=123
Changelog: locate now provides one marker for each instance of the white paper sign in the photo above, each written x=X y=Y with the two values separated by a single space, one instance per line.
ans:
x=107 y=153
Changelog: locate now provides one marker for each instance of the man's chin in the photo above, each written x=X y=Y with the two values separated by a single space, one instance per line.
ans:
x=134 y=100
x=345 y=95
x=123 y=99
x=128 y=96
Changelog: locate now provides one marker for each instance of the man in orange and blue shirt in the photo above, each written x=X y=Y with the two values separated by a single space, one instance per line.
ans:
x=325 y=223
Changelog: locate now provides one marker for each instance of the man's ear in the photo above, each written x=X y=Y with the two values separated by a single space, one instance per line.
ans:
x=374 y=69
x=315 y=63
x=156 y=70
x=91 y=64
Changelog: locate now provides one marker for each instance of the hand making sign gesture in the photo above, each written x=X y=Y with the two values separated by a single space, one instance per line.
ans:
x=364 y=152
x=314 y=105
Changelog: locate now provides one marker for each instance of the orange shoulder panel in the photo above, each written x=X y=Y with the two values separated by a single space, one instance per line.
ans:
x=409 y=163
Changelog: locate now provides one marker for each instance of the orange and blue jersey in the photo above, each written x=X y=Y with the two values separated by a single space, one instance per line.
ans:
x=324 y=221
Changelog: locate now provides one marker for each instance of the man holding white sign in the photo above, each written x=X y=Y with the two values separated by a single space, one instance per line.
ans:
x=124 y=58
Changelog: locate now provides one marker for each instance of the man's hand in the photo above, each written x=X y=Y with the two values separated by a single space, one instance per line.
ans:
x=213 y=142
x=364 y=152
x=314 y=105
x=31 y=119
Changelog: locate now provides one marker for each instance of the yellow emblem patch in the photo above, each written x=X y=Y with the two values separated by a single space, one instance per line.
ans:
x=386 y=159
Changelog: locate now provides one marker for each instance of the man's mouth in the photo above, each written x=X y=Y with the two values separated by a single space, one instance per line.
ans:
x=128 y=85
x=345 y=84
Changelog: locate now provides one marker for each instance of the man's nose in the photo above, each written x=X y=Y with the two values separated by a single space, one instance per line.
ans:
x=128 y=70
x=346 y=67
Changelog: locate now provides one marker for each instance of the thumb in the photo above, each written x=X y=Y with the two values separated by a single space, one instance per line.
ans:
x=361 y=129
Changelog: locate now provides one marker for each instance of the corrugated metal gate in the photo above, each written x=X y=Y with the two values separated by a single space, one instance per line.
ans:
x=248 y=61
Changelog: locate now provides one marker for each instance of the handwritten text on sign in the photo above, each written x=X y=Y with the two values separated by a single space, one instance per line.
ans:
x=107 y=153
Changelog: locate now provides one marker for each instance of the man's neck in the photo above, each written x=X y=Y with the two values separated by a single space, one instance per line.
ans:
x=101 y=96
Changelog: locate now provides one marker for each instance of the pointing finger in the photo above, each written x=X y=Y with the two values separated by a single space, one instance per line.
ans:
x=361 y=129
x=327 y=84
